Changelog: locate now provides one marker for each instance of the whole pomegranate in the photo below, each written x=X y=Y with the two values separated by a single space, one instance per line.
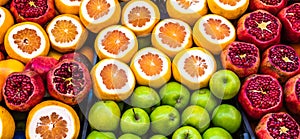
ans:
x=277 y=126
x=272 y=6
x=23 y=90
x=260 y=28
x=280 y=61
x=260 y=94
x=41 y=65
x=38 y=11
x=77 y=56
x=292 y=94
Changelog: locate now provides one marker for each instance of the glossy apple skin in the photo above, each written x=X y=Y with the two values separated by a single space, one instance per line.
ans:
x=216 y=133
x=197 y=117
x=101 y=135
x=186 y=132
x=205 y=99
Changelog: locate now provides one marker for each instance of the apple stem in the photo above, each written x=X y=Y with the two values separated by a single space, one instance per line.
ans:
x=135 y=115
x=187 y=135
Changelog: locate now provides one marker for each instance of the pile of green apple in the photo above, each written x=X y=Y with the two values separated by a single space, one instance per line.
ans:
x=172 y=111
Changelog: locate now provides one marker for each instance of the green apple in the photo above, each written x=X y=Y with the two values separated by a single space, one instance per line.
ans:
x=186 y=132
x=136 y=121
x=227 y=117
x=165 y=120
x=224 y=84
x=129 y=136
x=216 y=133
x=104 y=116
x=157 y=136
x=196 y=116
x=101 y=135
x=205 y=99
x=145 y=97
x=175 y=94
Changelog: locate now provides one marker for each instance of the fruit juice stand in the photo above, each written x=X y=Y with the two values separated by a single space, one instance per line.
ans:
x=149 y=69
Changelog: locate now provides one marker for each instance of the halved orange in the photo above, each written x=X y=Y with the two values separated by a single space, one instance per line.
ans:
x=187 y=10
x=68 y=6
x=213 y=32
x=117 y=42
x=230 y=9
x=66 y=33
x=193 y=67
x=151 y=67
x=112 y=80
x=140 y=16
x=172 y=36
x=26 y=40
x=6 y=21
x=7 y=124
x=98 y=14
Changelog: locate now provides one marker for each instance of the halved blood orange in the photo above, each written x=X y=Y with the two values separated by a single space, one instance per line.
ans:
x=112 y=80
x=117 y=42
x=151 y=67
x=172 y=36
x=52 y=119
x=213 y=32
x=6 y=21
x=193 y=67
x=98 y=14
x=140 y=16
x=66 y=33
x=7 y=124
x=26 y=40
x=187 y=10
x=68 y=6
x=230 y=9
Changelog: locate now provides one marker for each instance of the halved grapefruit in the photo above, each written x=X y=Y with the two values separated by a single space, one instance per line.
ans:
x=26 y=40
x=66 y=33
x=7 y=124
x=193 y=67
x=172 y=36
x=68 y=6
x=112 y=80
x=117 y=42
x=6 y=21
x=151 y=67
x=230 y=9
x=213 y=32
x=98 y=14
x=140 y=16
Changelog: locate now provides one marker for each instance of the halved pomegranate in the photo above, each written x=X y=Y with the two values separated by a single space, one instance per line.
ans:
x=77 y=56
x=292 y=94
x=272 y=6
x=41 y=65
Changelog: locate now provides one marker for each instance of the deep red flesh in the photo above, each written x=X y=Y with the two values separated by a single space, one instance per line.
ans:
x=279 y=54
x=293 y=15
x=278 y=122
x=297 y=89
x=242 y=54
x=271 y=2
x=31 y=8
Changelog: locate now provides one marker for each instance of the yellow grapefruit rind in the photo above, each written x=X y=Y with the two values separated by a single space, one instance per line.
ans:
x=143 y=79
x=67 y=6
x=102 y=92
x=171 y=52
x=54 y=54
x=52 y=106
x=154 y=12
x=5 y=23
x=180 y=74
x=201 y=39
x=7 y=124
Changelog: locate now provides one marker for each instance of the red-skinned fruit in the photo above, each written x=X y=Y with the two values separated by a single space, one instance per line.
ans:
x=41 y=65
x=23 y=90
x=2 y=57
x=277 y=126
x=292 y=94
x=241 y=58
x=77 y=57
x=280 y=61
x=260 y=28
x=290 y=19
x=69 y=81
x=272 y=6
x=38 y=11
x=259 y=95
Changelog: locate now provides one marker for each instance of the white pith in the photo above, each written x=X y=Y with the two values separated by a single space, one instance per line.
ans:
x=208 y=60
x=101 y=19
x=129 y=34
x=2 y=18
x=140 y=4
x=201 y=28
x=130 y=77
x=15 y=46
x=194 y=8
x=47 y=111
x=239 y=4
x=71 y=3
x=145 y=51
x=187 y=29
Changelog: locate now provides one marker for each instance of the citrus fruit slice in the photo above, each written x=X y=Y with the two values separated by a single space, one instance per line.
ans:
x=230 y=9
x=68 y=6
x=7 y=124
x=187 y=10
x=151 y=67
x=66 y=33
x=6 y=21
x=52 y=119
x=193 y=67
x=213 y=32
x=172 y=36
x=112 y=80
x=117 y=42
x=98 y=14
x=140 y=16
x=26 y=40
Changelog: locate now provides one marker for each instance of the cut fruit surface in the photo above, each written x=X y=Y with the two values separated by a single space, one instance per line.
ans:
x=172 y=36
x=230 y=9
x=140 y=16
x=116 y=42
x=151 y=67
x=112 y=80
x=6 y=21
x=7 y=124
x=193 y=67
x=68 y=6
